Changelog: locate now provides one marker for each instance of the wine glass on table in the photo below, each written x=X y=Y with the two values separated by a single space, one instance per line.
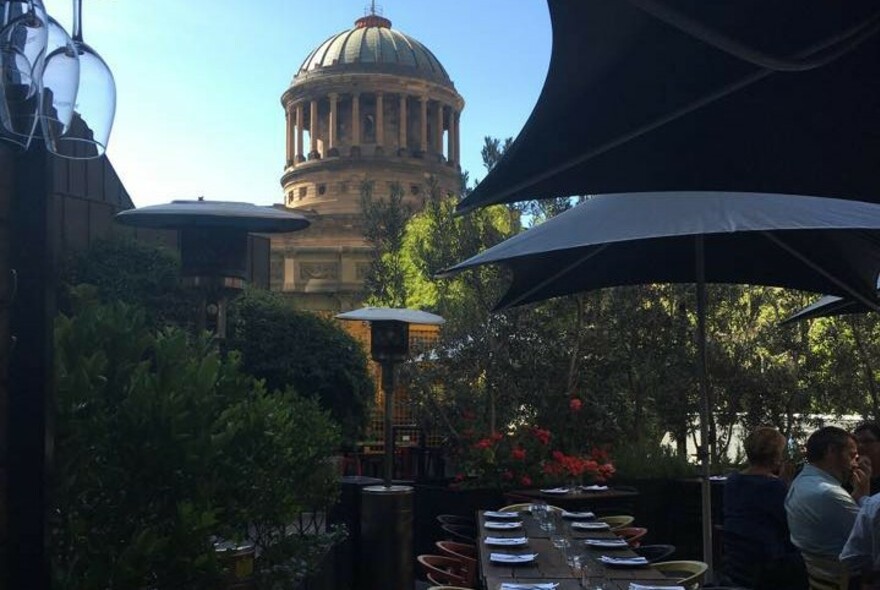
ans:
x=89 y=130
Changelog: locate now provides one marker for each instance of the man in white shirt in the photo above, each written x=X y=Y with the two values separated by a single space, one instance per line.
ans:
x=861 y=554
x=820 y=512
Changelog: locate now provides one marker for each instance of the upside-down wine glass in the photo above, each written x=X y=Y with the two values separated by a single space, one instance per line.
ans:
x=23 y=37
x=60 y=83
x=89 y=130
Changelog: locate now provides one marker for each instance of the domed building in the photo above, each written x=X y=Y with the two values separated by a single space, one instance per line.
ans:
x=369 y=104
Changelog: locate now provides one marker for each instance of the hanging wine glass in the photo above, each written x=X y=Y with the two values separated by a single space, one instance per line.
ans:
x=23 y=38
x=60 y=82
x=89 y=129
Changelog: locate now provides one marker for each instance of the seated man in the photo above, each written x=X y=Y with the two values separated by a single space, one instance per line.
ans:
x=757 y=548
x=820 y=512
x=861 y=554
x=868 y=438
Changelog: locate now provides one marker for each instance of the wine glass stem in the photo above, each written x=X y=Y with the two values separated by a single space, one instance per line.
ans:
x=77 y=21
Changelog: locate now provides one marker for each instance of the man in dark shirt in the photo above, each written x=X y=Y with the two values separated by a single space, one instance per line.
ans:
x=867 y=436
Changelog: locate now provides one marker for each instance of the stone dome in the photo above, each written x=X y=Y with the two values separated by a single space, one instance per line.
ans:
x=372 y=46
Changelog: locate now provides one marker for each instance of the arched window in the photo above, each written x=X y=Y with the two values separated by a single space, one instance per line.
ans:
x=369 y=125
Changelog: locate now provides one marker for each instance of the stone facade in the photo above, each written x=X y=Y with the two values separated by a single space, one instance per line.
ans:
x=370 y=104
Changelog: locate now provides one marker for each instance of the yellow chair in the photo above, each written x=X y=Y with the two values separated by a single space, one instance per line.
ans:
x=526 y=506
x=825 y=574
x=689 y=574
x=617 y=521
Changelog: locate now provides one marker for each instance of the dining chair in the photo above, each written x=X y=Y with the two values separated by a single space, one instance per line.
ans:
x=689 y=574
x=461 y=532
x=456 y=520
x=631 y=534
x=824 y=573
x=617 y=521
x=655 y=553
x=442 y=569
x=465 y=553
x=527 y=506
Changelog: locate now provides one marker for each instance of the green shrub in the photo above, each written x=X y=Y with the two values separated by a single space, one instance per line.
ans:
x=312 y=354
x=161 y=444
x=651 y=461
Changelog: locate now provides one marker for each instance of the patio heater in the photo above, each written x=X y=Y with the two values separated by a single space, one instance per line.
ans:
x=387 y=510
x=213 y=246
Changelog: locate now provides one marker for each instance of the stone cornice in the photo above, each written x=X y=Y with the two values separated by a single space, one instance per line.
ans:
x=347 y=84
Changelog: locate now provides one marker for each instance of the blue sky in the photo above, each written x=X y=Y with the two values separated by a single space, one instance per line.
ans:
x=199 y=81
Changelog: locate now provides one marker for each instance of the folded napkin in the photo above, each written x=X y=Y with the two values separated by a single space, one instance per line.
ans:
x=491 y=524
x=506 y=540
x=512 y=557
x=718 y=477
x=623 y=560
x=533 y=586
x=567 y=514
x=591 y=526
x=634 y=586
x=501 y=514
x=607 y=542
x=595 y=488
x=554 y=491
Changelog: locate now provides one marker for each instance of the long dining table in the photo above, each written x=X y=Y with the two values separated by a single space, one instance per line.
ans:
x=549 y=566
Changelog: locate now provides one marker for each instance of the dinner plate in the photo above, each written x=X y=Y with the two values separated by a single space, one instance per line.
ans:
x=555 y=491
x=577 y=515
x=607 y=543
x=594 y=488
x=591 y=526
x=506 y=541
x=502 y=526
x=623 y=562
x=512 y=558
x=501 y=514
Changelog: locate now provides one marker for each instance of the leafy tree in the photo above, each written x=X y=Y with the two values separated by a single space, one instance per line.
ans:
x=161 y=444
x=289 y=348
x=384 y=225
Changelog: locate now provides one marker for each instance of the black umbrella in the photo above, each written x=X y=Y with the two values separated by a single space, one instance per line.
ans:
x=827 y=306
x=808 y=243
x=693 y=95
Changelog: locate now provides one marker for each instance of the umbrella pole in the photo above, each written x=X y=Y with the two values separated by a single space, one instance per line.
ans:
x=703 y=450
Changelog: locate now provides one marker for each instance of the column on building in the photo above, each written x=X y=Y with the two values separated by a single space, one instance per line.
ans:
x=299 y=133
x=380 y=122
x=457 y=144
x=423 y=119
x=355 y=124
x=403 y=142
x=450 y=137
x=332 y=124
x=313 y=130
x=438 y=136
x=288 y=136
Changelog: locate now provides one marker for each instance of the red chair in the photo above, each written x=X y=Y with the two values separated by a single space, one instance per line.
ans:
x=632 y=535
x=442 y=569
x=465 y=553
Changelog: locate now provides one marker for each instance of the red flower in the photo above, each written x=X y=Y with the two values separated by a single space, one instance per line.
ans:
x=483 y=443
x=575 y=404
x=558 y=456
x=496 y=436
x=543 y=436
x=525 y=480
x=518 y=454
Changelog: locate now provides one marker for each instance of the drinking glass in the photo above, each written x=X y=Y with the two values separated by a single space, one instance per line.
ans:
x=60 y=83
x=593 y=577
x=23 y=37
x=89 y=130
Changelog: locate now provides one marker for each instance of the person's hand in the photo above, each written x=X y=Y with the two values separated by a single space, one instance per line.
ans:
x=861 y=478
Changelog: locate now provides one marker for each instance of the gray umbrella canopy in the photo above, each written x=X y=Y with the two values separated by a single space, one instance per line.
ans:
x=807 y=243
x=827 y=306
x=689 y=95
